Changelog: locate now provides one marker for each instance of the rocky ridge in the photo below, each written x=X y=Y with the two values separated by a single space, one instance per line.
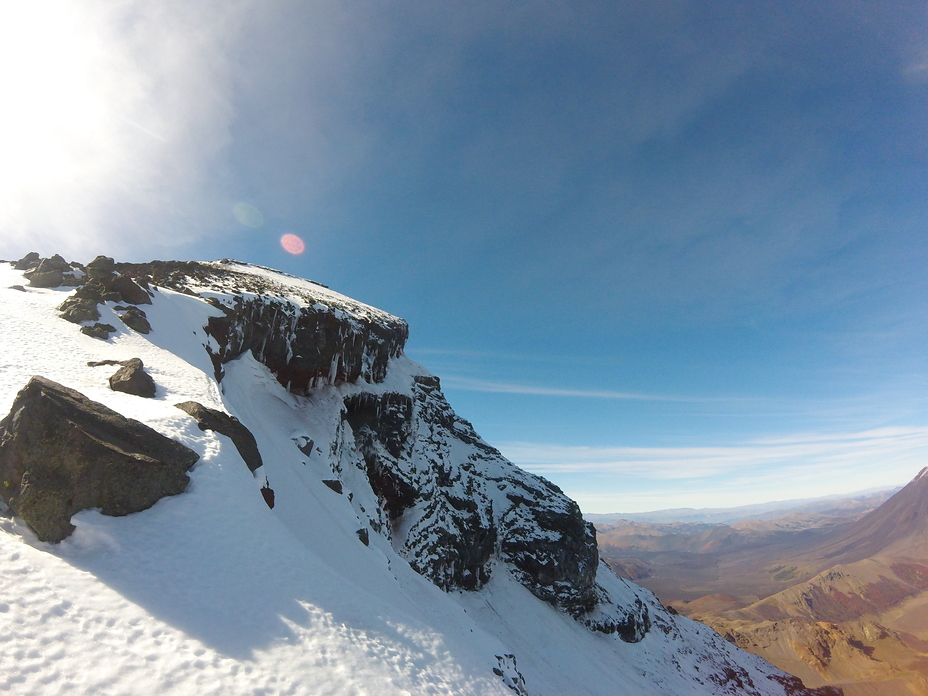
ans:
x=445 y=500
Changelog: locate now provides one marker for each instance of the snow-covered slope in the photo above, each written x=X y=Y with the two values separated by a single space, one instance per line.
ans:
x=403 y=554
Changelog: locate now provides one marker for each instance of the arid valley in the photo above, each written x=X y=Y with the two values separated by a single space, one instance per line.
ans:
x=834 y=592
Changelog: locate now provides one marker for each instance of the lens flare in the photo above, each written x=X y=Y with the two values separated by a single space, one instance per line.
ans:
x=247 y=214
x=292 y=244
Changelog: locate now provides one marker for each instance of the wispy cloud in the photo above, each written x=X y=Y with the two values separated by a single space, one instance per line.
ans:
x=882 y=449
x=478 y=385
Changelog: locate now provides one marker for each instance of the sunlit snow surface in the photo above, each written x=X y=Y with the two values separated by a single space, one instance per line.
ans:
x=211 y=592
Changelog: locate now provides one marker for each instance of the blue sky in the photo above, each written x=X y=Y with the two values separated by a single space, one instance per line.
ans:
x=664 y=253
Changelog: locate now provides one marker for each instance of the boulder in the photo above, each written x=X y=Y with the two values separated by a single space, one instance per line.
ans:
x=79 y=309
x=61 y=453
x=30 y=260
x=101 y=267
x=131 y=378
x=136 y=320
x=129 y=291
x=230 y=426
x=93 y=290
x=53 y=263
x=98 y=330
x=46 y=279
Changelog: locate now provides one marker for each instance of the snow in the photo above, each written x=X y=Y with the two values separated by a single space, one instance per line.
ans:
x=212 y=592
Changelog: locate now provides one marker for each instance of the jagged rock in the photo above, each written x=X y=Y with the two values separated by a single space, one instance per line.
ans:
x=30 y=260
x=101 y=331
x=79 y=309
x=230 y=426
x=71 y=280
x=551 y=546
x=129 y=291
x=135 y=319
x=46 y=279
x=131 y=378
x=18 y=287
x=61 y=453
x=334 y=484
x=101 y=267
x=364 y=536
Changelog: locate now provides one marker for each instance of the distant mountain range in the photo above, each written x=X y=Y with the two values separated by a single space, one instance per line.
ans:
x=837 y=597
x=860 y=501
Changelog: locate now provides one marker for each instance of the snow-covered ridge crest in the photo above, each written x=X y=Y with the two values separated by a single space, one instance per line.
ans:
x=305 y=333
x=403 y=553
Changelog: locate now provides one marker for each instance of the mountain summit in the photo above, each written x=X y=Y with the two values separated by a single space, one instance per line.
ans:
x=343 y=531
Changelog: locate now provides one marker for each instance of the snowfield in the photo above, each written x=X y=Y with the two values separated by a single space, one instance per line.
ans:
x=212 y=592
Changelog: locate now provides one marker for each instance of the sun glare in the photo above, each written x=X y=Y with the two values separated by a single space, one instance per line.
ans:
x=50 y=102
x=67 y=90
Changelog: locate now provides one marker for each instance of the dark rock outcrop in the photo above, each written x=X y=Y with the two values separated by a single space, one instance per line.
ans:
x=46 y=279
x=408 y=446
x=135 y=319
x=305 y=347
x=334 y=484
x=101 y=267
x=61 y=453
x=268 y=494
x=129 y=291
x=101 y=331
x=321 y=339
x=131 y=378
x=230 y=426
x=79 y=309
x=30 y=260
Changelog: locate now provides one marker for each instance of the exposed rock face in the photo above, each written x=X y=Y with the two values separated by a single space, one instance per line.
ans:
x=61 y=453
x=307 y=339
x=230 y=426
x=470 y=510
x=306 y=347
x=131 y=378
